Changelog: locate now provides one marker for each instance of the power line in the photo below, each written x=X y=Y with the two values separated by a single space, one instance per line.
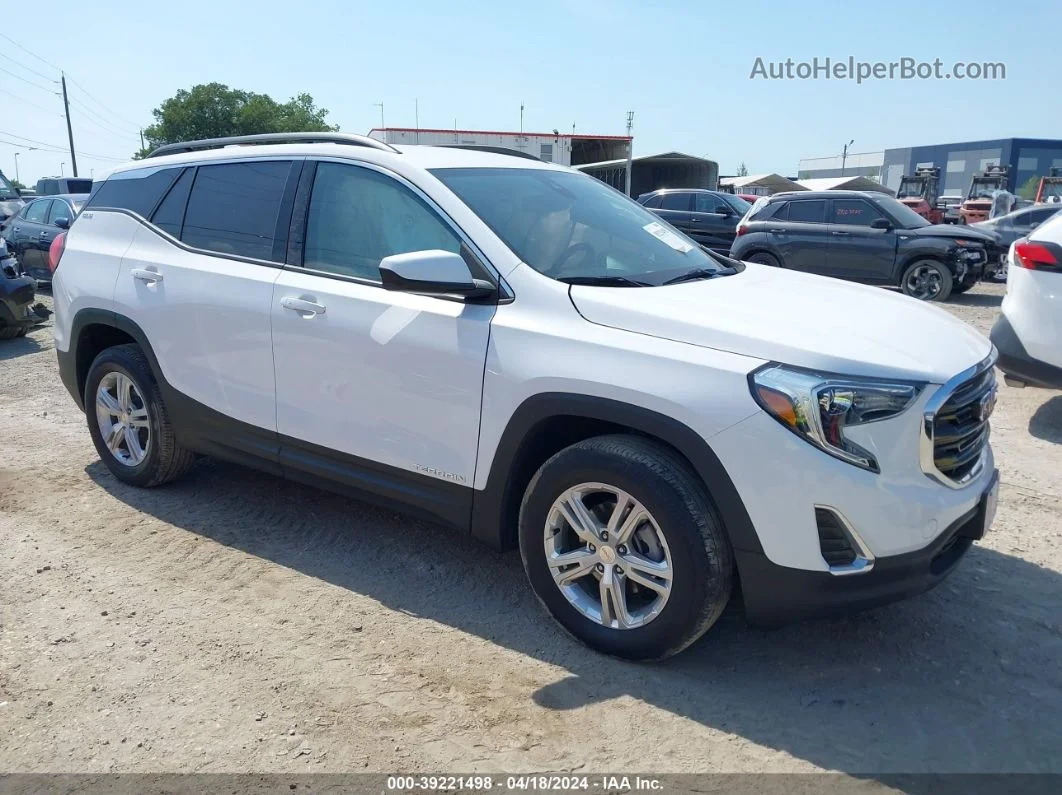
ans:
x=59 y=148
x=23 y=66
x=31 y=104
x=24 y=80
x=125 y=135
x=111 y=112
x=42 y=60
x=105 y=123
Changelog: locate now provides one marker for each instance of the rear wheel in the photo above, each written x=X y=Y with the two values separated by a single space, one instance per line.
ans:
x=763 y=258
x=623 y=547
x=128 y=422
x=10 y=332
x=927 y=280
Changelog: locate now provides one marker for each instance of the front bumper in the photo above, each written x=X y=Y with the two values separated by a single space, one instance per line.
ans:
x=1016 y=362
x=16 y=298
x=776 y=595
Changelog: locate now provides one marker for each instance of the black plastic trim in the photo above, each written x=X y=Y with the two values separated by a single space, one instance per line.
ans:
x=489 y=507
x=1016 y=362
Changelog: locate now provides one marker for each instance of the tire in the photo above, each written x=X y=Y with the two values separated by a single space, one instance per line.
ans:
x=163 y=458
x=936 y=272
x=11 y=332
x=763 y=258
x=695 y=546
x=966 y=284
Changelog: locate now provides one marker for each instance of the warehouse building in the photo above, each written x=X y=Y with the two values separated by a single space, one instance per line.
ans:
x=1027 y=158
x=567 y=149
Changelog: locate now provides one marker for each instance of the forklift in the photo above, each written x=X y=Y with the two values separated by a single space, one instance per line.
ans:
x=919 y=192
x=1050 y=190
x=978 y=203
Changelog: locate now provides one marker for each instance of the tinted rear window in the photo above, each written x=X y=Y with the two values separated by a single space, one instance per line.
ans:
x=675 y=201
x=808 y=212
x=136 y=192
x=233 y=208
x=79 y=186
x=171 y=212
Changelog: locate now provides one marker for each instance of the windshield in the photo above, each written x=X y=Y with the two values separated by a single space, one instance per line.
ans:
x=910 y=189
x=740 y=205
x=983 y=190
x=7 y=190
x=573 y=227
x=907 y=218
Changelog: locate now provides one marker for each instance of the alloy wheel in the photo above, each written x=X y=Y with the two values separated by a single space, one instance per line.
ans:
x=924 y=283
x=122 y=415
x=608 y=556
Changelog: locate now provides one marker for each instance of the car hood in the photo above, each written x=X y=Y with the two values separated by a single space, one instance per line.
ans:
x=952 y=231
x=798 y=319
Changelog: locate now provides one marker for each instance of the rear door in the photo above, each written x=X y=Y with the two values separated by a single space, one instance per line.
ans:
x=199 y=281
x=798 y=233
x=675 y=207
x=857 y=250
x=26 y=233
x=712 y=222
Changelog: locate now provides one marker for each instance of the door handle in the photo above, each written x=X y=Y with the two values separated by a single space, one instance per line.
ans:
x=842 y=234
x=18 y=228
x=776 y=231
x=304 y=306
x=144 y=275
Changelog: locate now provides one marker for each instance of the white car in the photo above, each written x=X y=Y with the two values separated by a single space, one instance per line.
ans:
x=518 y=350
x=1028 y=332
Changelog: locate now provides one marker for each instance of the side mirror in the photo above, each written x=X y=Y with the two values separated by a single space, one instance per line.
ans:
x=62 y=222
x=432 y=272
x=1034 y=224
x=724 y=209
x=881 y=223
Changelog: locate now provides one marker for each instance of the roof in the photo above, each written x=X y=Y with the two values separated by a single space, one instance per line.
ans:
x=646 y=158
x=452 y=131
x=804 y=193
x=403 y=157
x=773 y=182
x=845 y=183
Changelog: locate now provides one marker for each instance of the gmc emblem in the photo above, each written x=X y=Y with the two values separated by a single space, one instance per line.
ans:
x=986 y=406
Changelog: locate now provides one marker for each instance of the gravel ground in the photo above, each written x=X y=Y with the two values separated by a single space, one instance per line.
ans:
x=234 y=622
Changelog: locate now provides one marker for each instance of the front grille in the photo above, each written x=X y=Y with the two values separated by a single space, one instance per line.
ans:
x=833 y=540
x=959 y=428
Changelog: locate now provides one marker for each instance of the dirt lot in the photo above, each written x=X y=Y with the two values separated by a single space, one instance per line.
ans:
x=235 y=622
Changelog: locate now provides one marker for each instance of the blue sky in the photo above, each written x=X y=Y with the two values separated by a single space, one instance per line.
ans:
x=683 y=67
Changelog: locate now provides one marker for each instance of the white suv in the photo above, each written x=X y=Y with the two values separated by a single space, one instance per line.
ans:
x=1028 y=332
x=518 y=350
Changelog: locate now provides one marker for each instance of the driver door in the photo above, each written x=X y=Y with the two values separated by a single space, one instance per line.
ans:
x=375 y=385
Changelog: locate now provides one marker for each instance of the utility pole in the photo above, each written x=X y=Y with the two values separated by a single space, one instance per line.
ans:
x=521 y=117
x=62 y=172
x=69 y=129
x=630 y=151
x=142 y=146
x=844 y=154
x=380 y=106
x=16 y=168
x=416 y=117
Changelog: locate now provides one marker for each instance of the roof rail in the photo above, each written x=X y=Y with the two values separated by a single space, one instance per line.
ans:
x=273 y=138
x=498 y=150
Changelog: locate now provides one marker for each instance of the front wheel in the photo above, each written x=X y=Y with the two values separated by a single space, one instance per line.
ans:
x=623 y=547
x=927 y=280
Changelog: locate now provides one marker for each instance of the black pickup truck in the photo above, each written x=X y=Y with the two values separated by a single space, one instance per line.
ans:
x=865 y=237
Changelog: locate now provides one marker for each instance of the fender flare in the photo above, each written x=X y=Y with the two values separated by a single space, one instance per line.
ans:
x=489 y=506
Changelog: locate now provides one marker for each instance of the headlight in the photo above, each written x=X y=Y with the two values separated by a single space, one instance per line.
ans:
x=818 y=407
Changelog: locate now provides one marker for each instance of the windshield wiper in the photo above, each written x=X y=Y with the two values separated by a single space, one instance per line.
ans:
x=603 y=281
x=701 y=273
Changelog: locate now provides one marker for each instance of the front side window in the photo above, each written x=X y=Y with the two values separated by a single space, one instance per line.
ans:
x=358 y=216
x=37 y=212
x=233 y=208
x=709 y=203
x=853 y=212
x=808 y=212
x=60 y=209
x=739 y=205
x=572 y=227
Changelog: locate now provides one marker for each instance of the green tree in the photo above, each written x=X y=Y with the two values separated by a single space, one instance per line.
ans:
x=17 y=185
x=1028 y=190
x=743 y=170
x=215 y=110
